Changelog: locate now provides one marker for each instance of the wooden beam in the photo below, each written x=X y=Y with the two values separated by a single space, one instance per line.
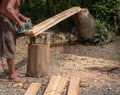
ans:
x=74 y=86
x=33 y=89
x=56 y=85
x=45 y=25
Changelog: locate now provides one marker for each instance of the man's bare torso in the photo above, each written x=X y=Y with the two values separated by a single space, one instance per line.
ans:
x=3 y=9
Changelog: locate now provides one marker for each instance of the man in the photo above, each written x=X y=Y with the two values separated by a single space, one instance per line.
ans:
x=9 y=17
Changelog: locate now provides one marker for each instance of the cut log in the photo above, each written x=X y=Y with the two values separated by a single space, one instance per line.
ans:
x=74 y=86
x=38 y=60
x=33 y=89
x=45 y=25
x=56 y=85
x=85 y=25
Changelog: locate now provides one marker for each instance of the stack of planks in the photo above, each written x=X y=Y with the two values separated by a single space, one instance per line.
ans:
x=56 y=86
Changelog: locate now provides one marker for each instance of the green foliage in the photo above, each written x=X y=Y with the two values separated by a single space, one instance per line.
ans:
x=104 y=10
x=108 y=11
x=65 y=4
x=39 y=10
x=101 y=33
x=35 y=9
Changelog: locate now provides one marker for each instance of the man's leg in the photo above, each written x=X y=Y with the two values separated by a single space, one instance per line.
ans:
x=11 y=66
x=12 y=73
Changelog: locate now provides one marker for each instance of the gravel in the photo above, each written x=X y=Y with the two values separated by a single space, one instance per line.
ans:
x=97 y=66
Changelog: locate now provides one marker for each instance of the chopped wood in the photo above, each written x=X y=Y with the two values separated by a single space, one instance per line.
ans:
x=74 y=86
x=38 y=60
x=45 y=25
x=56 y=85
x=33 y=89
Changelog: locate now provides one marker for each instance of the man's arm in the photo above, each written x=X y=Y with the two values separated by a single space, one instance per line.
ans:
x=12 y=12
x=23 y=18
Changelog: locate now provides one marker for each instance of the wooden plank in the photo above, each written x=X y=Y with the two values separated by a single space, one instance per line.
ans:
x=62 y=84
x=41 y=27
x=51 y=88
x=74 y=86
x=56 y=85
x=33 y=89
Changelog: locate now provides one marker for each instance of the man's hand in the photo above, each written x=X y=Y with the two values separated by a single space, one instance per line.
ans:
x=22 y=25
x=27 y=19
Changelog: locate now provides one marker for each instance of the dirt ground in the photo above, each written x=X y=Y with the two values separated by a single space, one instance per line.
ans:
x=97 y=66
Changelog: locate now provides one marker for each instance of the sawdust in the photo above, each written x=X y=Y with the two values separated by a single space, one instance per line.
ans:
x=97 y=66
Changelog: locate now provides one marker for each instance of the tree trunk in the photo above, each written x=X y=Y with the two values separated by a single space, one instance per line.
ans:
x=38 y=60
x=85 y=25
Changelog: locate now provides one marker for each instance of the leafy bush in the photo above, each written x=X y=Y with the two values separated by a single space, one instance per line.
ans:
x=39 y=10
x=35 y=9
x=101 y=34
x=104 y=10
x=108 y=11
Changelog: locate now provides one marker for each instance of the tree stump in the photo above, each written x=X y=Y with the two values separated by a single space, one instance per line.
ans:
x=85 y=24
x=38 y=59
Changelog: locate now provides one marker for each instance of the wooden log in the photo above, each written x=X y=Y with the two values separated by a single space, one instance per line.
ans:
x=33 y=89
x=56 y=85
x=74 y=86
x=38 y=60
x=85 y=25
x=43 y=26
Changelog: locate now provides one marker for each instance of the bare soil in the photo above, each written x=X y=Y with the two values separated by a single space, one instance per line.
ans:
x=97 y=66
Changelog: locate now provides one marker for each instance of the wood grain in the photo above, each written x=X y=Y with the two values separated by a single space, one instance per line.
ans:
x=33 y=89
x=74 y=86
x=56 y=85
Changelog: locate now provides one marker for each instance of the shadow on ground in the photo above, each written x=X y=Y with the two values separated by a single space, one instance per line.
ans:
x=109 y=51
x=4 y=74
x=108 y=69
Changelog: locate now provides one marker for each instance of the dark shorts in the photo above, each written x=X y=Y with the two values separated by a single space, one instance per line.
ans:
x=7 y=38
